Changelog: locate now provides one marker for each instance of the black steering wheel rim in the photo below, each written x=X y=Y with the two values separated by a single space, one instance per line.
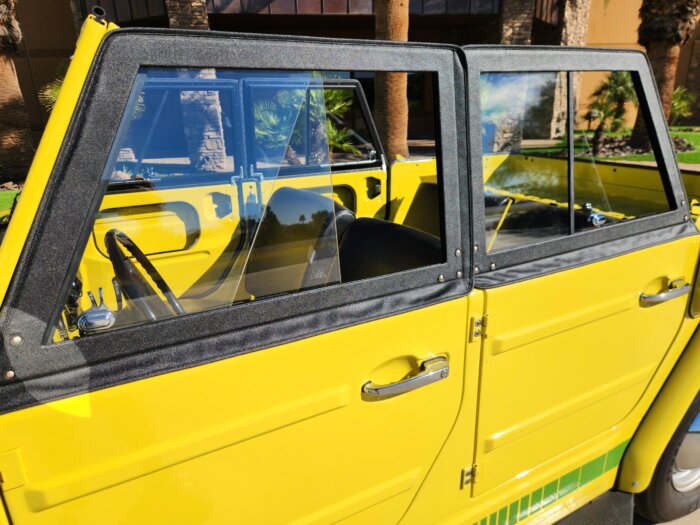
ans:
x=133 y=284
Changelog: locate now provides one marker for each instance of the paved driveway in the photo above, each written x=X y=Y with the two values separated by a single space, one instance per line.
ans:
x=693 y=519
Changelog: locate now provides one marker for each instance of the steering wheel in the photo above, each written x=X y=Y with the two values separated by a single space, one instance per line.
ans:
x=133 y=284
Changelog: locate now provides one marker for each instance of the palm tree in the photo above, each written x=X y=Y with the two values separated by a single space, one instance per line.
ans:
x=16 y=145
x=682 y=106
x=618 y=88
x=390 y=89
x=606 y=110
x=666 y=25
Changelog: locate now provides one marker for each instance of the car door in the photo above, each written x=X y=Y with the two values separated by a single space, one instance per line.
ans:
x=584 y=255
x=261 y=397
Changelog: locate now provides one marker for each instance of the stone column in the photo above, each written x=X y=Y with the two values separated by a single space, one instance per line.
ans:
x=574 y=25
x=574 y=32
x=201 y=110
x=204 y=129
x=516 y=21
x=187 y=14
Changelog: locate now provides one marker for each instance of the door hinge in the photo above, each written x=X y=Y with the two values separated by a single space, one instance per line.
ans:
x=469 y=475
x=477 y=327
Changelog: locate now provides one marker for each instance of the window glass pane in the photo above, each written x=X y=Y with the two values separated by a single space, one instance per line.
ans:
x=616 y=173
x=346 y=131
x=226 y=187
x=188 y=223
x=525 y=157
x=525 y=142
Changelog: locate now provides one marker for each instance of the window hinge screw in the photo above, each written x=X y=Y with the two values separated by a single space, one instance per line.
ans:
x=16 y=340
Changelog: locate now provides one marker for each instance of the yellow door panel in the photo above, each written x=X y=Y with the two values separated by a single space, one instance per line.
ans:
x=415 y=200
x=183 y=226
x=636 y=189
x=363 y=192
x=281 y=435
x=168 y=227
x=568 y=355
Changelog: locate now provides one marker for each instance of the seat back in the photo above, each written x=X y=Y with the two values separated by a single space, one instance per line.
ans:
x=372 y=247
x=296 y=246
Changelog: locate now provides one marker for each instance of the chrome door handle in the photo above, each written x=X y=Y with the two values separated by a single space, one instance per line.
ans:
x=432 y=370
x=677 y=288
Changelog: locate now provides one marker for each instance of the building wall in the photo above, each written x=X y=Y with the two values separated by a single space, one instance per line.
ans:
x=50 y=35
x=615 y=25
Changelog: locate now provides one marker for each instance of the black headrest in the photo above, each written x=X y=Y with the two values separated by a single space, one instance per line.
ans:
x=372 y=247
x=297 y=225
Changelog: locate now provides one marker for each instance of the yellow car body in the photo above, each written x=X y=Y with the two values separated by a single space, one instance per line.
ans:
x=283 y=435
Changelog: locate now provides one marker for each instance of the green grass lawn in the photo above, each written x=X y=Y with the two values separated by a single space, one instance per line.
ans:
x=690 y=157
x=6 y=199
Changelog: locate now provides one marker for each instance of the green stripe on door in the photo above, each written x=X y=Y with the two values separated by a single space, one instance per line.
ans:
x=558 y=489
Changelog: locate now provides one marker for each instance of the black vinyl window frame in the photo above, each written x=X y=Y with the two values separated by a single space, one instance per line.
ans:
x=491 y=59
x=75 y=189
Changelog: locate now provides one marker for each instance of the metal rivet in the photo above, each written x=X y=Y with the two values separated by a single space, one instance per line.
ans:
x=10 y=374
x=458 y=252
x=477 y=333
x=685 y=217
x=459 y=275
x=493 y=266
x=476 y=248
x=441 y=278
x=476 y=269
x=16 y=340
x=682 y=203
x=635 y=484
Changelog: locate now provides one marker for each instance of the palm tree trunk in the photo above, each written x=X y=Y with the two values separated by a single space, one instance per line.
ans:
x=16 y=144
x=664 y=62
x=597 y=140
x=390 y=89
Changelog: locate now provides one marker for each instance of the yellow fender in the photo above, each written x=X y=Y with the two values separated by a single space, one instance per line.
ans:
x=661 y=421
